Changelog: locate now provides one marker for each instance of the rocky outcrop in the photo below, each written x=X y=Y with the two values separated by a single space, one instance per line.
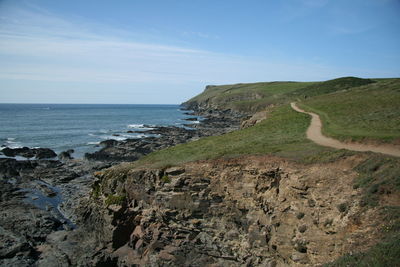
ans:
x=66 y=155
x=38 y=153
x=253 y=211
x=114 y=151
x=254 y=119
x=38 y=198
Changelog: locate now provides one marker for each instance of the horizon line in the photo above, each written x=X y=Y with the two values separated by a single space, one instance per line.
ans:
x=36 y=103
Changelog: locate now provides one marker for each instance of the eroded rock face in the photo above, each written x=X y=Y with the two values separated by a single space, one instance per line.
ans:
x=254 y=211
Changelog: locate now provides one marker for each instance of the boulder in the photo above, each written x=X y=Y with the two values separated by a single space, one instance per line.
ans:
x=39 y=153
x=66 y=155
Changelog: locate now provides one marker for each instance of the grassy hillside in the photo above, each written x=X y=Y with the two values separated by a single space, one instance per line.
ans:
x=350 y=108
x=363 y=109
x=252 y=97
x=282 y=134
x=368 y=112
x=248 y=97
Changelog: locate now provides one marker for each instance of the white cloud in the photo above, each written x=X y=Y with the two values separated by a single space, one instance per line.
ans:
x=39 y=46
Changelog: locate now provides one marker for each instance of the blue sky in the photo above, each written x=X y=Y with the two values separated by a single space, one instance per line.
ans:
x=167 y=51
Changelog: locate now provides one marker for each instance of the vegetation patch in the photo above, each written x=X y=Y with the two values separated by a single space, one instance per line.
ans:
x=166 y=179
x=115 y=200
x=283 y=134
x=366 y=113
x=96 y=190
x=331 y=86
x=378 y=175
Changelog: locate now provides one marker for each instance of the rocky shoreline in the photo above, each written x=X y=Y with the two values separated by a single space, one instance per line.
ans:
x=41 y=195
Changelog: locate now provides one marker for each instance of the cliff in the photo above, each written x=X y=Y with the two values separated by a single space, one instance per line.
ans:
x=261 y=196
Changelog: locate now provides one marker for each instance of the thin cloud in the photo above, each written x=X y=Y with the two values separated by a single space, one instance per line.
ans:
x=40 y=46
x=201 y=35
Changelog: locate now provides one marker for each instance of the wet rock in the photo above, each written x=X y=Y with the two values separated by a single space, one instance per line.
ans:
x=38 y=153
x=44 y=153
x=66 y=155
x=190 y=119
x=12 y=167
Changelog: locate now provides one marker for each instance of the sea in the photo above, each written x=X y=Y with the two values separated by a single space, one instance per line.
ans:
x=80 y=127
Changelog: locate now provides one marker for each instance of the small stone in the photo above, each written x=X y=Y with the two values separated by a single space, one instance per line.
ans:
x=299 y=257
x=303 y=228
x=174 y=171
x=139 y=244
x=300 y=215
x=138 y=232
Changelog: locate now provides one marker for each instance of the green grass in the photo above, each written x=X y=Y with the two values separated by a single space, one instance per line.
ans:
x=249 y=97
x=378 y=175
x=282 y=134
x=369 y=112
x=331 y=86
x=252 y=97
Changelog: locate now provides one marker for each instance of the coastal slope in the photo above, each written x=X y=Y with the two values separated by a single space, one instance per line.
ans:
x=264 y=195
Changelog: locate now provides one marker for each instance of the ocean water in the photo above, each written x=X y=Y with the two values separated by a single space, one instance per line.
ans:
x=80 y=127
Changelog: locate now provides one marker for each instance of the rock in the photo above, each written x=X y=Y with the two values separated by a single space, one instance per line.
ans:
x=303 y=228
x=66 y=155
x=12 y=167
x=174 y=171
x=299 y=257
x=190 y=119
x=44 y=153
x=38 y=153
x=138 y=232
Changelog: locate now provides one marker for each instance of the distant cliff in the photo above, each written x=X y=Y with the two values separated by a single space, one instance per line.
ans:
x=252 y=97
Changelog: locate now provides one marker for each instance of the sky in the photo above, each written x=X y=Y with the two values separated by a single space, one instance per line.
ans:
x=165 y=52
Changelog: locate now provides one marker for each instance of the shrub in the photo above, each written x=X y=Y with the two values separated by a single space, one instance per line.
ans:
x=166 y=179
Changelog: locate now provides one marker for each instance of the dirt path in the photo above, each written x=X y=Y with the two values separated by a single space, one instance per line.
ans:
x=314 y=134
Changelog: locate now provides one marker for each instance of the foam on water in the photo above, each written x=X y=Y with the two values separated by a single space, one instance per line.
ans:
x=80 y=127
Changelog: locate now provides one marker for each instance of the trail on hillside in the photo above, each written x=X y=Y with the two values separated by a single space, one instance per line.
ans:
x=314 y=134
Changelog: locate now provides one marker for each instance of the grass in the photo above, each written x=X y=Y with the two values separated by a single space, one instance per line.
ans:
x=252 y=97
x=378 y=175
x=115 y=200
x=331 y=86
x=369 y=112
x=249 y=97
x=282 y=134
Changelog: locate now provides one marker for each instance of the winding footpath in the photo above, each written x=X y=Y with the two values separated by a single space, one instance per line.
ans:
x=314 y=134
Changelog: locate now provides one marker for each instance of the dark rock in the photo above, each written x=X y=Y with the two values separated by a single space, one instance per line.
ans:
x=39 y=153
x=191 y=119
x=12 y=167
x=44 y=153
x=109 y=143
x=66 y=155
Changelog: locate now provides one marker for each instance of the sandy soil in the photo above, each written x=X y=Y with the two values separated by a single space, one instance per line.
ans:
x=314 y=134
